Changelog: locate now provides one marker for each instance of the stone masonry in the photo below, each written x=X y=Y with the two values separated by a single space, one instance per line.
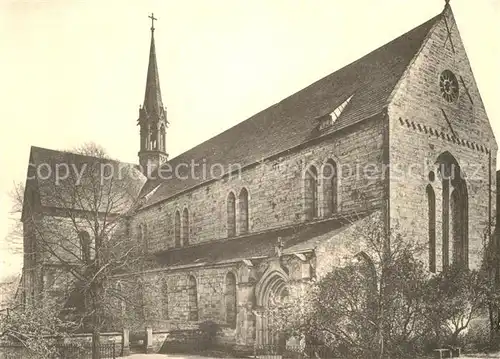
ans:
x=382 y=120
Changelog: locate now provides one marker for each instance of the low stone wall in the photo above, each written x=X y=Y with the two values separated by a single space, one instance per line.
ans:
x=181 y=341
x=86 y=338
x=192 y=338
x=226 y=337
x=106 y=339
x=159 y=339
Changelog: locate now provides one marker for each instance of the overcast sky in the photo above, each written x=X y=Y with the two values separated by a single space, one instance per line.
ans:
x=75 y=71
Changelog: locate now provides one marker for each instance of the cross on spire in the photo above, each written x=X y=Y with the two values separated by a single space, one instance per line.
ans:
x=153 y=18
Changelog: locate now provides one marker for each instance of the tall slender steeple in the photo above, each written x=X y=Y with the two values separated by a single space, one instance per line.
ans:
x=152 y=116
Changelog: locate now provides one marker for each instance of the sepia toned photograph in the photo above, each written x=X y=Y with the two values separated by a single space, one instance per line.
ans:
x=280 y=179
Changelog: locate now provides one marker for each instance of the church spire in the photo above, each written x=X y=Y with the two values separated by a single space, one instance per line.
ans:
x=152 y=116
x=152 y=98
x=447 y=5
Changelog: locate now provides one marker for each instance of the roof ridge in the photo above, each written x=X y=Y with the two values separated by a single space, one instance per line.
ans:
x=360 y=59
x=290 y=122
x=311 y=85
x=432 y=21
x=67 y=152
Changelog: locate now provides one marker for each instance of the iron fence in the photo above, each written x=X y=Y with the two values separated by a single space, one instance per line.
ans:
x=74 y=351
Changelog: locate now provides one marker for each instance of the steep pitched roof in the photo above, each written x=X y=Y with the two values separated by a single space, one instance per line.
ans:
x=293 y=121
x=67 y=180
x=295 y=239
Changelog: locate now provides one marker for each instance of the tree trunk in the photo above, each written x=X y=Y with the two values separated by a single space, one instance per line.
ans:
x=494 y=316
x=95 y=322
x=96 y=341
x=96 y=319
x=96 y=293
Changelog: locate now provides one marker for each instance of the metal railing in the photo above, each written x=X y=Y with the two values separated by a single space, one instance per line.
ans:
x=74 y=351
x=62 y=351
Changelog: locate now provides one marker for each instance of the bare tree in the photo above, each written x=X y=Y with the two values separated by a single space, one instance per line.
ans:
x=8 y=288
x=74 y=216
x=490 y=276
x=14 y=238
x=36 y=327
x=371 y=306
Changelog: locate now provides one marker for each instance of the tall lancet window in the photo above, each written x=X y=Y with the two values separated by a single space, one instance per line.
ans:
x=144 y=139
x=192 y=299
x=330 y=188
x=154 y=137
x=185 y=227
x=311 y=193
x=164 y=300
x=459 y=220
x=230 y=299
x=431 y=216
x=231 y=215
x=177 y=229
x=243 y=209
x=455 y=217
x=85 y=244
x=145 y=133
x=455 y=227
x=163 y=145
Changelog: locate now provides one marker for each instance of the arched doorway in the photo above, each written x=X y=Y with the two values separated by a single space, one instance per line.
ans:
x=272 y=287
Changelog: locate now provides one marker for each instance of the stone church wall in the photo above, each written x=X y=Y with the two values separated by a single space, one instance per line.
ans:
x=275 y=188
x=419 y=133
x=51 y=242
x=160 y=299
x=146 y=298
x=342 y=247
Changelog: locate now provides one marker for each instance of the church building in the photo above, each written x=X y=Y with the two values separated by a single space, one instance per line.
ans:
x=399 y=139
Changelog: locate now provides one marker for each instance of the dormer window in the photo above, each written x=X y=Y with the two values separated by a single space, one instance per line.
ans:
x=329 y=119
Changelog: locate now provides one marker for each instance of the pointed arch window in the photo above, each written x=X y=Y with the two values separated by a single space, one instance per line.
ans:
x=154 y=137
x=185 y=227
x=458 y=214
x=455 y=225
x=164 y=299
x=455 y=219
x=144 y=138
x=85 y=244
x=177 y=229
x=231 y=215
x=330 y=188
x=230 y=299
x=431 y=216
x=192 y=299
x=311 y=193
x=243 y=209
x=163 y=145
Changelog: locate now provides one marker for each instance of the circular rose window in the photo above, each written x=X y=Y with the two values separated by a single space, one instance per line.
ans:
x=448 y=84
